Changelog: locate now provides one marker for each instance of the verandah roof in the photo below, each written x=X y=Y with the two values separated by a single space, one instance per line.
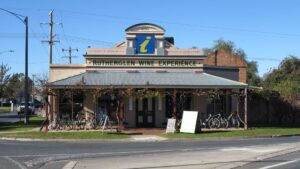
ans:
x=147 y=79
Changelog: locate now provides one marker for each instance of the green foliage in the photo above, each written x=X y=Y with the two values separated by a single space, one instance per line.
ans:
x=4 y=109
x=288 y=89
x=252 y=74
x=15 y=85
x=20 y=126
x=65 y=135
x=225 y=45
x=289 y=69
x=4 y=78
x=285 y=79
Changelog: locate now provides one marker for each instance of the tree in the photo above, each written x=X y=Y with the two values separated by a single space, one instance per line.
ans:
x=285 y=79
x=288 y=69
x=252 y=74
x=15 y=86
x=4 y=78
x=41 y=82
x=226 y=45
x=289 y=91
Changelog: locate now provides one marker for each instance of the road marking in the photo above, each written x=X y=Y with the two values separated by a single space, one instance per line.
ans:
x=42 y=160
x=15 y=162
x=254 y=150
x=70 y=165
x=280 y=164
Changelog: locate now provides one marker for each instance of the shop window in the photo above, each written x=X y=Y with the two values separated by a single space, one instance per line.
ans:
x=70 y=103
x=216 y=105
x=108 y=104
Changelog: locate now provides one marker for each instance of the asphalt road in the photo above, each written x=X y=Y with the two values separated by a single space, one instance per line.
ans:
x=9 y=117
x=28 y=154
x=287 y=161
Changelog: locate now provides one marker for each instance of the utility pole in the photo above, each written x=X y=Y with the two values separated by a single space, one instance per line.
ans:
x=51 y=36
x=70 y=53
x=24 y=19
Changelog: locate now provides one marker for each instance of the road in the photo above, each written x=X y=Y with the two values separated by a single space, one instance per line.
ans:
x=9 y=117
x=287 y=161
x=164 y=154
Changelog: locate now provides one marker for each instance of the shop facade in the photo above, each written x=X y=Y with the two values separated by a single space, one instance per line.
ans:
x=146 y=79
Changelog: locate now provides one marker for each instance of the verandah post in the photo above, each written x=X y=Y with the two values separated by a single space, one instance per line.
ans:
x=174 y=105
x=245 y=110
x=51 y=108
x=121 y=115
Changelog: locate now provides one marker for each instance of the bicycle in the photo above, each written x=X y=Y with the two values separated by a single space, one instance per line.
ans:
x=79 y=122
x=223 y=121
x=234 y=120
x=211 y=122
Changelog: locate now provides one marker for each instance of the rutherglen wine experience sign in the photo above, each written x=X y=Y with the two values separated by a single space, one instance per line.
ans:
x=143 y=63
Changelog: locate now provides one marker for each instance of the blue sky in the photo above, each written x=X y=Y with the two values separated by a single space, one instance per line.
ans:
x=268 y=30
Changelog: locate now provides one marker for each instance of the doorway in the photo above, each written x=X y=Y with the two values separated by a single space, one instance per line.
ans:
x=145 y=109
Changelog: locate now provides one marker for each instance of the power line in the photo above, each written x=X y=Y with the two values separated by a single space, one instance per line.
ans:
x=184 y=24
x=70 y=53
x=77 y=39
x=265 y=59
x=194 y=26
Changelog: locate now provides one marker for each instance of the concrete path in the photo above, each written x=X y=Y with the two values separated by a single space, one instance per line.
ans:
x=147 y=138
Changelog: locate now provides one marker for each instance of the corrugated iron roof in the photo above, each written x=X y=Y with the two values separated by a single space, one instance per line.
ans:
x=149 y=79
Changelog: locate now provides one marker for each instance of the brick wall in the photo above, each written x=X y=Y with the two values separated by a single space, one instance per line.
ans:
x=225 y=58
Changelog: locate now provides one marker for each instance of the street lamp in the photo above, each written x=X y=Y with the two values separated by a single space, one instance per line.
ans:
x=24 y=19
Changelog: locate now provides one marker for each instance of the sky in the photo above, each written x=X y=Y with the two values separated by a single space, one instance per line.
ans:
x=267 y=30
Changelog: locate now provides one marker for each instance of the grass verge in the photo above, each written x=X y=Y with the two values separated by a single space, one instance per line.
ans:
x=20 y=126
x=252 y=132
x=65 y=135
x=20 y=130
x=4 y=109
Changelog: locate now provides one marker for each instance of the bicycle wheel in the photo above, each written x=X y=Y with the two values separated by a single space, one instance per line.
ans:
x=214 y=123
x=224 y=123
x=234 y=122
x=92 y=123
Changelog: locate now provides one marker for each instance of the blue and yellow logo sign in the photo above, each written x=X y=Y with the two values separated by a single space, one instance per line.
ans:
x=145 y=44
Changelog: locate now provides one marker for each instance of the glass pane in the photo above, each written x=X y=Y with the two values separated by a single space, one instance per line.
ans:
x=130 y=102
x=149 y=104
x=140 y=105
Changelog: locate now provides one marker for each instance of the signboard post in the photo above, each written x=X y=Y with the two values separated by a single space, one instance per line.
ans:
x=189 y=122
x=171 y=126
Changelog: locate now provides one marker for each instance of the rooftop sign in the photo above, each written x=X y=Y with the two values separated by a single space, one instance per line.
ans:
x=145 y=44
x=143 y=63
